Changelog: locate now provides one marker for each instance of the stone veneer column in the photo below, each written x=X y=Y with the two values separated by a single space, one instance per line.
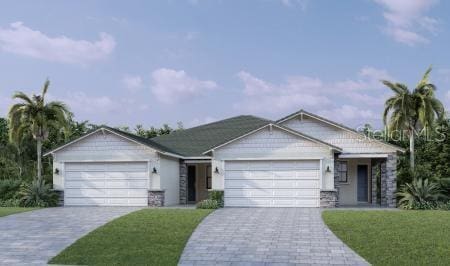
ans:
x=156 y=198
x=374 y=174
x=328 y=198
x=183 y=182
x=383 y=183
x=60 y=197
x=336 y=180
x=391 y=180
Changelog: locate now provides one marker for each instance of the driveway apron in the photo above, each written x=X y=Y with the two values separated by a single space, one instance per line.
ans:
x=266 y=236
x=32 y=238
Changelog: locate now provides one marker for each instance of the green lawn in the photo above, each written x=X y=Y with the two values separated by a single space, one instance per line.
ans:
x=394 y=237
x=11 y=210
x=145 y=237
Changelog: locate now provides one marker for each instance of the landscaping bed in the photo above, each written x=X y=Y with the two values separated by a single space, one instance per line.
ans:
x=394 y=237
x=145 y=237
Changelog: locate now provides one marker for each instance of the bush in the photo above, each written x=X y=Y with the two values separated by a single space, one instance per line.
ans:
x=38 y=194
x=217 y=195
x=419 y=194
x=439 y=205
x=10 y=203
x=208 y=204
x=9 y=189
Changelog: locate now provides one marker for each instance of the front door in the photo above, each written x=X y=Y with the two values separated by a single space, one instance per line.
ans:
x=191 y=183
x=362 y=183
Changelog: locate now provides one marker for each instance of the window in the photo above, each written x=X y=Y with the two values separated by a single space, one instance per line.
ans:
x=208 y=177
x=343 y=172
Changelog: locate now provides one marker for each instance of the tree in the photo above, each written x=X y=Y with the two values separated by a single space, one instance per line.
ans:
x=412 y=111
x=33 y=116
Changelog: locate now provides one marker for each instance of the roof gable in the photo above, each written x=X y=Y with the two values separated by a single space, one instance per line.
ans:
x=130 y=137
x=280 y=127
x=348 y=139
x=195 y=141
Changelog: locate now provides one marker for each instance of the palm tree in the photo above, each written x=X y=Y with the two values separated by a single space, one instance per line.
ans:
x=412 y=111
x=33 y=116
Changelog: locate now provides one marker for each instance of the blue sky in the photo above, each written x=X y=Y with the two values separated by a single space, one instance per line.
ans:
x=196 y=61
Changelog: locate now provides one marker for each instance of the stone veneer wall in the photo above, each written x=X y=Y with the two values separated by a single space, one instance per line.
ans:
x=156 y=198
x=60 y=197
x=390 y=187
x=387 y=169
x=375 y=172
x=336 y=182
x=328 y=198
x=183 y=182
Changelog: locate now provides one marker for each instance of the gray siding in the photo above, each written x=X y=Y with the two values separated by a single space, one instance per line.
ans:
x=350 y=142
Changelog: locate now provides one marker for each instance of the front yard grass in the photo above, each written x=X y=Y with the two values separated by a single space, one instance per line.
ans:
x=145 y=237
x=4 y=211
x=394 y=237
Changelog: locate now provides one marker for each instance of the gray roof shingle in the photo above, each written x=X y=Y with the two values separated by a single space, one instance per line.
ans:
x=194 y=141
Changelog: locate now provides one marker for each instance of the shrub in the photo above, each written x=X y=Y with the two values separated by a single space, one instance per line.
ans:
x=419 y=194
x=217 y=195
x=208 y=204
x=38 y=194
x=439 y=205
x=9 y=188
x=10 y=203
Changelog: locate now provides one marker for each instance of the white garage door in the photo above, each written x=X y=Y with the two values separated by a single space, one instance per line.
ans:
x=106 y=184
x=272 y=183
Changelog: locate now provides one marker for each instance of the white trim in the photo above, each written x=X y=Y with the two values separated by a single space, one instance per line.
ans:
x=115 y=133
x=106 y=161
x=339 y=126
x=320 y=180
x=274 y=159
x=168 y=153
x=279 y=127
x=362 y=155
x=197 y=158
x=197 y=161
x=149 y=186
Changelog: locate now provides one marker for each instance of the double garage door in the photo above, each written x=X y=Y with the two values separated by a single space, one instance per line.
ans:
x=272 y=183
x=106 y=184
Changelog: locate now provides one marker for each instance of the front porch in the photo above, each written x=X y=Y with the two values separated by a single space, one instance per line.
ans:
x=366 y=181
x=195 y=181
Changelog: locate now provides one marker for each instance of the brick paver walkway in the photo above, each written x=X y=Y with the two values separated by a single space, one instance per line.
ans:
x=32 y=238
x=266 y=236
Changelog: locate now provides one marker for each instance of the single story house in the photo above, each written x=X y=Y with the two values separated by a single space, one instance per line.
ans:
x=301 y=160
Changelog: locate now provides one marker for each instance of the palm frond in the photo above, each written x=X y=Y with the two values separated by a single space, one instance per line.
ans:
x=22 y=96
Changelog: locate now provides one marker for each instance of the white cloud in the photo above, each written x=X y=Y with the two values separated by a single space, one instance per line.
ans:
x=19 y=39
x=358 y=98
x=133 y=83
x=171 y=86
x=263 y=96
x=406 y=22
x=348 y=113
x=80 y=102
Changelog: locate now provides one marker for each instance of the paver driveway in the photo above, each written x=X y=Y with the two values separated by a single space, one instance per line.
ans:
x=36 y=236
x=265 y=236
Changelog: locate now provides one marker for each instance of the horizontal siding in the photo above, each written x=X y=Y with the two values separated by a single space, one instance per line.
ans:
x=350 y=142
x=105 y=146
x=272 y=144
